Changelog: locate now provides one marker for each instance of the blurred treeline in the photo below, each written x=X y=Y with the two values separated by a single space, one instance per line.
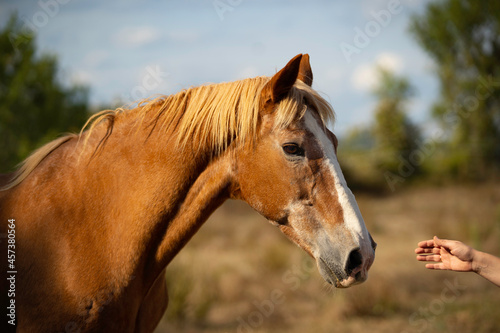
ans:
x=35 y=106
x=463 y=39
x=461 y=36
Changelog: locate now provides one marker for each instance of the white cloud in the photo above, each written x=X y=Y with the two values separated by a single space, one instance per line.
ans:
x=183 y=35
x=390 y=61
x=136 y=36
x=250 y=71
x=95 y=57
x=369 y=6
x=364 y=77
x=81 y=77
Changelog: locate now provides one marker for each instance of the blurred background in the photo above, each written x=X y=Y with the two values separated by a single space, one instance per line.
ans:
x=416 y=90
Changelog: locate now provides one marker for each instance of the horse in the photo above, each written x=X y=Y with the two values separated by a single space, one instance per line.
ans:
x=99 y=215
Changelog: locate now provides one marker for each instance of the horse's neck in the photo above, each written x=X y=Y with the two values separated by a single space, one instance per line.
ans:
x=161 y=195
x=210 y=189
x=5 y=178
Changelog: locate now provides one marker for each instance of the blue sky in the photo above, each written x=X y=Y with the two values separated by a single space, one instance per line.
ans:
x=130 y=49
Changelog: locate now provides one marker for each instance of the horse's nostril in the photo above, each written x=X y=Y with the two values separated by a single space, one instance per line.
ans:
x=353 y=261
x=374 y=245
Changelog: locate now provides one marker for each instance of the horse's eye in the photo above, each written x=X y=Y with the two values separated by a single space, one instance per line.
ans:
x=293 y=149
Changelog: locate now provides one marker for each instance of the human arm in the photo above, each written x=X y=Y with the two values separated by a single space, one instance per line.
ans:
x=456 y=256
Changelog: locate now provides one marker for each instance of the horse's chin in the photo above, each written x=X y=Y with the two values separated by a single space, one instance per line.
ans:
x=334 y=276
x=346 y=283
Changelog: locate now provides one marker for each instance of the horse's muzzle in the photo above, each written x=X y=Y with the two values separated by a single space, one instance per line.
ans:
x=348 y=271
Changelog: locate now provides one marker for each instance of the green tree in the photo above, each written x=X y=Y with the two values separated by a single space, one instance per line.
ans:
x=34 y=105
x=462 y=37
x=395 y=136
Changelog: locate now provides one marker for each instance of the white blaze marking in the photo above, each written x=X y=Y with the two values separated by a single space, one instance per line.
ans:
x=352 y=216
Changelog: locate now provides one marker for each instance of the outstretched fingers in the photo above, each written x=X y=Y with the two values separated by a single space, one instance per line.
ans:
x=436 y=258
x=444 y=242
x=433 y=257
x=439 y=266
x=426 y=243
x=446 y=254
x=426 y=250
x=427 y=246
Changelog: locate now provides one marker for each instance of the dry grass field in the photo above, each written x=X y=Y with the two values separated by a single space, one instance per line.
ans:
x=240 y=274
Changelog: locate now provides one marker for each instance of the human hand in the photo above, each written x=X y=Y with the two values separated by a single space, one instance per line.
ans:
x=448 y=254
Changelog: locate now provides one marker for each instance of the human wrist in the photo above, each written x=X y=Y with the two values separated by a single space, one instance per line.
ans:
x=477 y=261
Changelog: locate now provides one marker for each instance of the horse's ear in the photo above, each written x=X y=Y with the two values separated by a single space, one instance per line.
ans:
x=281 y=83
x=305 y=71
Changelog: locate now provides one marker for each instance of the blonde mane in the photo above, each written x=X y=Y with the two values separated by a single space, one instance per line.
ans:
x=209 y=116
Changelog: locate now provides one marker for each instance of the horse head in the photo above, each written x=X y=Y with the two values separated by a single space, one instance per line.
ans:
x=290 y=175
